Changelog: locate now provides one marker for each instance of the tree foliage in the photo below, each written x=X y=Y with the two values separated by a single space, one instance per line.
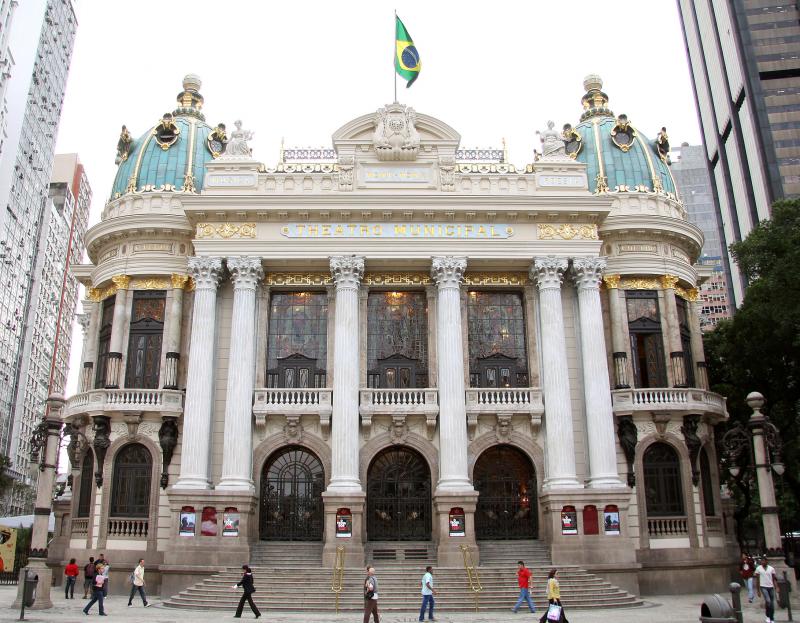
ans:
x=759 y=348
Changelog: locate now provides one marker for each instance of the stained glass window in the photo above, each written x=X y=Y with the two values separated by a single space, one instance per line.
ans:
x=146 y=335
x=397 y=339
x=297 y=341
x=497 y=353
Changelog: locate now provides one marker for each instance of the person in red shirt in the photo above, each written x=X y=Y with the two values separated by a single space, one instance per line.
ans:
x=524 y=581
x=71 y=572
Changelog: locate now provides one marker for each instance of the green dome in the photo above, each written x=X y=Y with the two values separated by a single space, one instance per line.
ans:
x=618 y=157
x=172 y=155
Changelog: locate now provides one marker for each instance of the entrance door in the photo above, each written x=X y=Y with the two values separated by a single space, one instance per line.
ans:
x=506 y=481
x=399 y=496
x=291 y=497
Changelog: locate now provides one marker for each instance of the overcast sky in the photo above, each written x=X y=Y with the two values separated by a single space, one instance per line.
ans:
x=300 y=70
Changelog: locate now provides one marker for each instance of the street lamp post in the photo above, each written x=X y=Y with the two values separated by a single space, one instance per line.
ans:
x=760 y=441
x=44 y=454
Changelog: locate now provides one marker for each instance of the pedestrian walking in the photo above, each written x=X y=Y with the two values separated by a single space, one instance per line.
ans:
x=525 y=584
x=106 y=569
x=747 y=567
x=765 y=584
x=137 y=584
x=89 y=572
x=427 y=595
x=71 y=572
x=555 y=609
x=97 y=592
x=371 y=596
x=249 y=588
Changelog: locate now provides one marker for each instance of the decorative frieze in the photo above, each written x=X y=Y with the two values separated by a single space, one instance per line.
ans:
x=567 y=232
x=298 y=279
x=225 y=231
x=496 y=279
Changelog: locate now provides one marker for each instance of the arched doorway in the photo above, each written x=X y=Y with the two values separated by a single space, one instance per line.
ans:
x=663 y=489
x=399 y=496
x=292 y=482
x=507 y=503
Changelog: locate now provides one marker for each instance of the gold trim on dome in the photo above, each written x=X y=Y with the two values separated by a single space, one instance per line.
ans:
x=623 y=126
x=167 y=124
x=658 y=187
x=668 y=282
x=601 y=181
x=568 y=232
x=225 y=231
x=178 y=281
x=397 y=279
x=122 y=282
x=134 y=178
x=496 y=279
x=612 y=281
x=188 y=177
x=298 y=279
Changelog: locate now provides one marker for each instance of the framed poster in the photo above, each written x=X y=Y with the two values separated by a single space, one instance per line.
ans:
x=187 y=521
x=457 y=522
x=569 y=520
x=344 y=523
x=611 y=520
x=208 y=521
x=230 y=522
x=8 y=548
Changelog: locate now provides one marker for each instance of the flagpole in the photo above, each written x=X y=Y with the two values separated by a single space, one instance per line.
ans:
x=394 y=54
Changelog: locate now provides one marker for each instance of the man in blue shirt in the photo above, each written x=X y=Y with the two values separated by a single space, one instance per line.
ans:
x=427 y=595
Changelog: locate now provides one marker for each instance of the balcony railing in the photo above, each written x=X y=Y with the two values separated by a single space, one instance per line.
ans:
x=714 y=525
x=128 y=528
x=164 y=401
x=80 y=527
x=399 y=403
x=292 y=403
x=666 y=527
x=503 y=402
x=628 y=401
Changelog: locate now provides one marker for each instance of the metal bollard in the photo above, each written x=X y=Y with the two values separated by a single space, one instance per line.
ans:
x=788 y=589
x=736 y=600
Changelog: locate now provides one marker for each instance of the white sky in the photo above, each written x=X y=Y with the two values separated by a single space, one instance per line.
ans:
x=300 y=70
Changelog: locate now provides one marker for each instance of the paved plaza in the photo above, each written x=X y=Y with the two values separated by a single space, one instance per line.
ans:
x=659 y=609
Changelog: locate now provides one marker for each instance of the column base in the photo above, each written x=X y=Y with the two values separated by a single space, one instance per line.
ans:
x=448 y=549
x=43 y=601
x=354 y=544
x=610 y=481
x=236 y=484
x=192 y=482
x=454 y=486
x=554 y=484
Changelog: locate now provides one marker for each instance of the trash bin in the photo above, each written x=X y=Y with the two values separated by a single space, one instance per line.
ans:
x=784 y=586
x=716 y=609
x=29 y=590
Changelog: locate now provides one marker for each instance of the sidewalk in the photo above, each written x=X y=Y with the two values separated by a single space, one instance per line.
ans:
x=659 y=609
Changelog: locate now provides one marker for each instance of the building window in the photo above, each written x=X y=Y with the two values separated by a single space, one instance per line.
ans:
x=397 y=339
x=85 y=493
x=497 y=353
x=297 y=341
x=647 y=342
x=146 y=335
x=662 y=481
x=686 y=339
x=104 y=341
x=708 y=486
x=133 y=469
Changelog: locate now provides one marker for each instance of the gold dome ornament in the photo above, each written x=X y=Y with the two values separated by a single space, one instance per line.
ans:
x=623 y=134
x=217 y=141
x=662 y=146
x=166 y=132
x=573 y=143
x=124 y=145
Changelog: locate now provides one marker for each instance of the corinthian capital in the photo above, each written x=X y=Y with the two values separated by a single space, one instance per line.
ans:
x=347 y=271
x=123 y=282
x=205 y=271
x=448 y=271
x=588 y=272
x=245 y=271
x=548 y=272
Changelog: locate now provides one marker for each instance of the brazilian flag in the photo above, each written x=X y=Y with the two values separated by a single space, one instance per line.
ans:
x=406 y=59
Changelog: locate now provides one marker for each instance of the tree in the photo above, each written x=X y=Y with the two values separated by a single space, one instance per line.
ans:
x=759 y=348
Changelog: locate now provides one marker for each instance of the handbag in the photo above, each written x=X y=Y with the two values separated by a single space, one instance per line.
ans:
x=554 y=612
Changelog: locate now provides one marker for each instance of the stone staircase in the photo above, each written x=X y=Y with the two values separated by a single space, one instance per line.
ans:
x=289 y=578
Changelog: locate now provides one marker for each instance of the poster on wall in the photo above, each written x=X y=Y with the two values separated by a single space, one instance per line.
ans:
x=188 y=519
x=569 y=520
x=230 y=522
x=611 y=520
x=344 y=523
x=208 y=521
x=457 y=522
x=8 y=548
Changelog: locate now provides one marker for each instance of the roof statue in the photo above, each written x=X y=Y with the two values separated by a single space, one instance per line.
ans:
x=395 y=136
x=552 y=143
x=237 y=145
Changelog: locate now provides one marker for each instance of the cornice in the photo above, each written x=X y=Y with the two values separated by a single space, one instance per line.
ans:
x=135 y=226
x=635 y=223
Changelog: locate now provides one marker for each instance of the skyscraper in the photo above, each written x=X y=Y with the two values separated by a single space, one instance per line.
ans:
x=745 y=62
x=34 y=96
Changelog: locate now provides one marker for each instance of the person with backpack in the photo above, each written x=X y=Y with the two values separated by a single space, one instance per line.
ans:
x=249 y=588
x=88 y=577
x=137 y=584
x=371 y=596
x=97 y=591
x=71 y=572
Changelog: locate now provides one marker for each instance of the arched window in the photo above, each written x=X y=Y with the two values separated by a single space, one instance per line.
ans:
x=85 y=491
x=662 y=481
x=708 y=483
x=130 y=493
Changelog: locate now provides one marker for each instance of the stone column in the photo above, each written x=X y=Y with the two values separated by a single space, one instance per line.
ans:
x=84 y=383
x=172 y=341
x=237 y=458
x=196 y=440
x=548 y=273
x=617 y=313
x=676 y=357
x=698 y=354
x=114 y=362
x=448 y=272
x=347 y=273
x=587 y=273
x=94 y=308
